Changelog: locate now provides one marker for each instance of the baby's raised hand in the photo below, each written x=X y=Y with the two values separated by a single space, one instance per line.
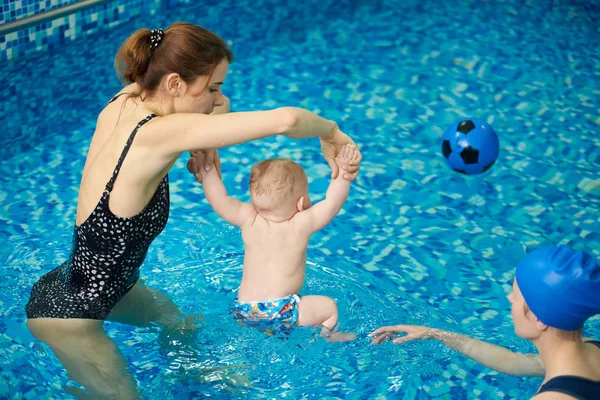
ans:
x=202 y=162
x=348 y=155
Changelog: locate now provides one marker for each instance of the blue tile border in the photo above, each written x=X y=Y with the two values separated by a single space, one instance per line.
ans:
x=55 y=33
x=12 y=10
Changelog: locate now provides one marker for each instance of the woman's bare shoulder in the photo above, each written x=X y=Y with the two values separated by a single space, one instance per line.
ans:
x=131 y=88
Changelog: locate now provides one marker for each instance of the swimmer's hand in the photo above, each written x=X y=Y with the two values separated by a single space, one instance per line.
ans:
x=413 y=332
x=203 y=161
x=331 y=148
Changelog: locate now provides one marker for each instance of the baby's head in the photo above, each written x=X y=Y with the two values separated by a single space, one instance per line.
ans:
x=279 y=188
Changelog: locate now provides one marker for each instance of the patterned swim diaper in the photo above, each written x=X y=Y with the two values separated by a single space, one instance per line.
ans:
x=283 y=310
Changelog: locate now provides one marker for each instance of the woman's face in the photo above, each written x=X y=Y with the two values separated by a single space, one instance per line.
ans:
x=525 y=322
x=204 y=94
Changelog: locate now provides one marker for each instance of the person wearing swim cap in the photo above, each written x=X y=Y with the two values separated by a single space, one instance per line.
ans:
x=555 y=290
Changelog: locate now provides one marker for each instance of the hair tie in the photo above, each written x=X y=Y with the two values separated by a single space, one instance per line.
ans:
x=156 y=36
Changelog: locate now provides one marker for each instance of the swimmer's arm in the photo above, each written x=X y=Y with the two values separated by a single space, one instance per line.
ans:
x=319 y=215
x=231 y=210
x=492 y=356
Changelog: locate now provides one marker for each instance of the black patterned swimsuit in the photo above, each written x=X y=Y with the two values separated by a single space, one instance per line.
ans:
x=575 y=386
x=105 y=259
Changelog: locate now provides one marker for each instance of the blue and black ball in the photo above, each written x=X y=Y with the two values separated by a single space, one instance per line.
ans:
x=470 y=146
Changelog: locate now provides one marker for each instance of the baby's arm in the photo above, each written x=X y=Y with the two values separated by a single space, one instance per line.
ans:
x=231 y=210
x=322 y=213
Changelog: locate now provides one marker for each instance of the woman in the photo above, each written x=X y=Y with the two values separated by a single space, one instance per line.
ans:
x=555 y=290
x=175 y=81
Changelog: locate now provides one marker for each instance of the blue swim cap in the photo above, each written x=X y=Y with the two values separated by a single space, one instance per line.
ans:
x=560 y=285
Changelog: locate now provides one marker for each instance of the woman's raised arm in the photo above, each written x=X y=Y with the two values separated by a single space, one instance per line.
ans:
x=177 y=133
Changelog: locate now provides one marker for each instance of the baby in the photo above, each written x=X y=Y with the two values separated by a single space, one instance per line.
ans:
x=276 y=227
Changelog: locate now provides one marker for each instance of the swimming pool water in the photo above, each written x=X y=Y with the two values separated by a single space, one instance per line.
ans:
x=415 y=243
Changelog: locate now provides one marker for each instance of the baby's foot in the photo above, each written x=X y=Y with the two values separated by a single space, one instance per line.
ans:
x=337 y=337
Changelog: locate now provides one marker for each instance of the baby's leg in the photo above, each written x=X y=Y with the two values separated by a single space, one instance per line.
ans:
x=321 y=310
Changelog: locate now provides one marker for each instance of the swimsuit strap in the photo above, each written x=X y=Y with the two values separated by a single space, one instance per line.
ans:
x=116 y=97
x=594 y=342
x=109 y=185
x=576 y=386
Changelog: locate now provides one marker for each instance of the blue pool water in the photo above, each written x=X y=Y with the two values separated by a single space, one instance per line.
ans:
x=415 y=243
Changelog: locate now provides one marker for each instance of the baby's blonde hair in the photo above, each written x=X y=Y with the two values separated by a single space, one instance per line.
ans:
x=276 y=183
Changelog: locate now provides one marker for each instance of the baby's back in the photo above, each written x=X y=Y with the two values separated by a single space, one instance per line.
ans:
x=274 y=260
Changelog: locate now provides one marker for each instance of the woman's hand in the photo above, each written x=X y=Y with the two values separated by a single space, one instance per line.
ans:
x=413 y=332
x=203 y=159
x=331 y=148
